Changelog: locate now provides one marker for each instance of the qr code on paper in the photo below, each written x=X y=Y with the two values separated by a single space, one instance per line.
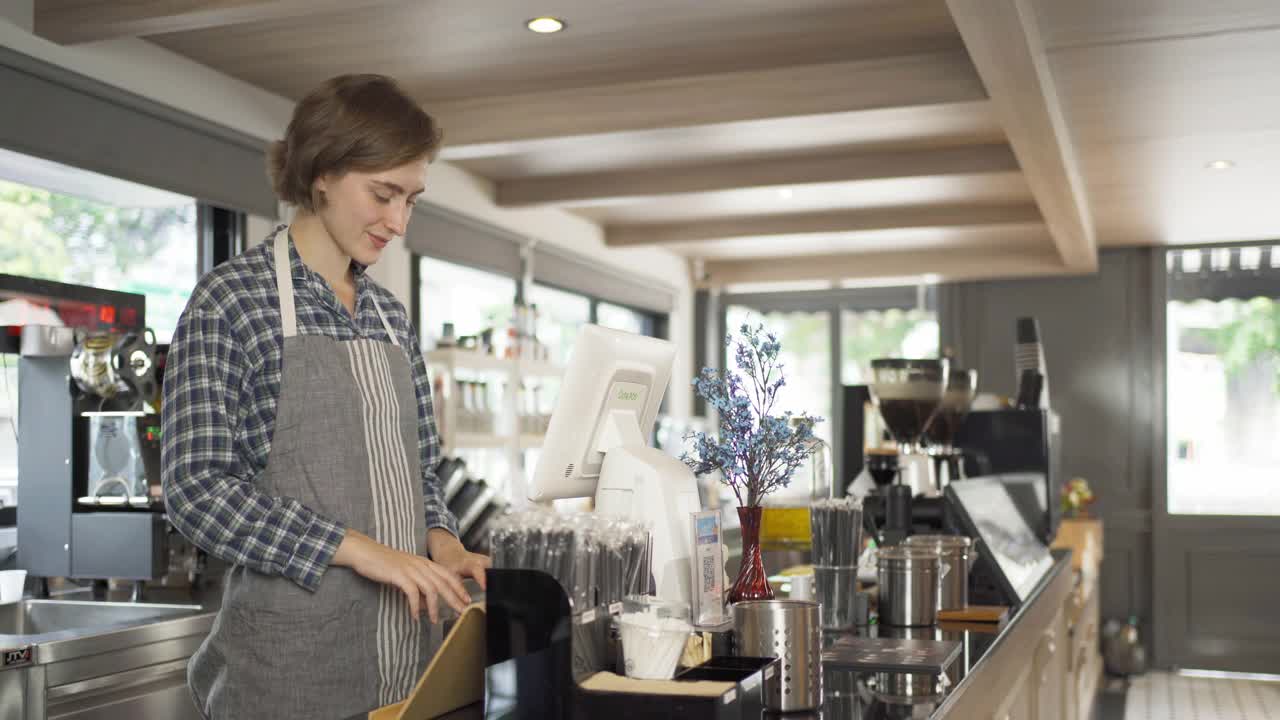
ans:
x=708 y=573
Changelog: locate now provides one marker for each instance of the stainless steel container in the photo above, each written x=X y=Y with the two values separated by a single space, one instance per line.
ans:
x=792 y=631
x=956 y=552
x=837 y=591
x=909 y=584
x=910 y=688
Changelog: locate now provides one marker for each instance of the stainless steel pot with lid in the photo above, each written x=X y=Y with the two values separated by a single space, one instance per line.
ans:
x=956 y=552
x=909 y=584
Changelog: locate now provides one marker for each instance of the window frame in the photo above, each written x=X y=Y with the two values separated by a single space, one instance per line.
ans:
x=833 y=302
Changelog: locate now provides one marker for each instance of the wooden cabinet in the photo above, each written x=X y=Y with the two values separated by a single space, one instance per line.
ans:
x=1049 y=670
x=1083 y=617
x=1047 y=667
x=1020 y=702
x=1085 y=662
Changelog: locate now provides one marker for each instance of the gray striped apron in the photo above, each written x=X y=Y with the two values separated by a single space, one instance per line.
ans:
x=345 y=444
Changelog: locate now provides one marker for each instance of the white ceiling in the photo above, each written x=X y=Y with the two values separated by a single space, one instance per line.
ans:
x=867 y=137
x=1153 y=91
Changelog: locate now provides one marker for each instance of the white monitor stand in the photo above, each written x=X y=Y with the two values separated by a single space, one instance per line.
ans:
x=643 y=483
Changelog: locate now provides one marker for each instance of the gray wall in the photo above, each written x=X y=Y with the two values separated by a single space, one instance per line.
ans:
x=1098 y=338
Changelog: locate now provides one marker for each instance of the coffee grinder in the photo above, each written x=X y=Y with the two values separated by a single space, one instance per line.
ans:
x=940 y=433
x=908 y=393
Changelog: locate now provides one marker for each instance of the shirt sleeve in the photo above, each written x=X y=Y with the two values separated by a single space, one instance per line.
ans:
x=438 y=515
x=210 y=497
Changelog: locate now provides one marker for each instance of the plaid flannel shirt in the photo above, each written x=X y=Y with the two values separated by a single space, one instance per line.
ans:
x=221 y=385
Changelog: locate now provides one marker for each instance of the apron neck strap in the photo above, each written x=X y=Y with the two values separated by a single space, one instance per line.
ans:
x=284 y=287
x=284 y=283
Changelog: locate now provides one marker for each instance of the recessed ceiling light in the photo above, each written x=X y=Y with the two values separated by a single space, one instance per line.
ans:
x=1220 y=165
x=545 y=25
x=785 y=193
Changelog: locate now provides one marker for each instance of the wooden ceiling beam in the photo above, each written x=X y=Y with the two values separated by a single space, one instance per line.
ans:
x=921 y=79
x=69 y=22
x=792 y=224
x=605 y=187
x=950 y=265
x=1004 y=41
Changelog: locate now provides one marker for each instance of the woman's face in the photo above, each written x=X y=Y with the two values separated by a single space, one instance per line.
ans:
x=364 y=212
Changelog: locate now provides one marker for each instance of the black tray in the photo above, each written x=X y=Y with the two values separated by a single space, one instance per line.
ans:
x=745 y=700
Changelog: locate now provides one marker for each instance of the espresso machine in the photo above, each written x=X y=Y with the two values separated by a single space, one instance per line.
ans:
x=89 y=452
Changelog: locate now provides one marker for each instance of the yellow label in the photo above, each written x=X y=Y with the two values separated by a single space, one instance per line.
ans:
x=785 y=528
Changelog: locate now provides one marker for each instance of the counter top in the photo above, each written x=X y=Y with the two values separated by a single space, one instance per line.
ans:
x=992 y=657
x=987 y=656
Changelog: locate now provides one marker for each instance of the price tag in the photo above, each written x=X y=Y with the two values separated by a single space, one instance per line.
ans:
x=729 y=697
x=615 y=608
x=588 y=616
x=768 y=672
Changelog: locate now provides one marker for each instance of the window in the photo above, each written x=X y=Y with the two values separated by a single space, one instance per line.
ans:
x=829 y=338
x=626 y=319
x=472 y=300
x=1224 y=405
x=871 y=334
x=70 y=225
x=805 y=357
x=559 y=315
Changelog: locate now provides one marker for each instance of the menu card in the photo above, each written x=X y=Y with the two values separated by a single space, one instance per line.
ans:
x=707 y=603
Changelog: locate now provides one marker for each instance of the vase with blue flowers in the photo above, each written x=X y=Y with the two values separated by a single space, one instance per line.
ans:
x=757 y=448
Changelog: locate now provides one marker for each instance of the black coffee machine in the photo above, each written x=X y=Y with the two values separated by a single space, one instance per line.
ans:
x=923 y=402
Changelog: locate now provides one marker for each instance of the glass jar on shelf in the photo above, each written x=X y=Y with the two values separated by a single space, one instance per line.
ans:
x=784 y=524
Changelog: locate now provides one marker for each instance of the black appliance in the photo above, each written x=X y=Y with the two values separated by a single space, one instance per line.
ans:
x=853 y=401
x=1023 y=448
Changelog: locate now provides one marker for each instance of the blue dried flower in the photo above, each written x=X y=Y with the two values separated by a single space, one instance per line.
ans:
x=756 y=451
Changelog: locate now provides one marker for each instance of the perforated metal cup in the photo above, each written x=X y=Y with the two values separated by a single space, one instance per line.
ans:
x=790 y=630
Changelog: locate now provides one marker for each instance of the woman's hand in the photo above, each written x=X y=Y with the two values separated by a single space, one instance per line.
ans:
x=448 y=552
x=417 y=577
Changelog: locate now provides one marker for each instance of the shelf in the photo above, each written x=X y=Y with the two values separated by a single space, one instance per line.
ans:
x=469 y=359
x=537 y=368
x=472 y=441
x=528 y=442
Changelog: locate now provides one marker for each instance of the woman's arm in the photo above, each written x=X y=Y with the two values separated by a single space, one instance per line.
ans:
x=210 y=497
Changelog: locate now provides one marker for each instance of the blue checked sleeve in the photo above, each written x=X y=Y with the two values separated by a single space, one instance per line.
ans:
x=209 y=493
x=438 y=515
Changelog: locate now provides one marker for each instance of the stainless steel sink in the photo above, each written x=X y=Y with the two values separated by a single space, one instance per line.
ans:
x=80 y=618
x=97 y=660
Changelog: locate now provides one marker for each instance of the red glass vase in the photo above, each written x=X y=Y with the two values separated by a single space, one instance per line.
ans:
x=752 y=583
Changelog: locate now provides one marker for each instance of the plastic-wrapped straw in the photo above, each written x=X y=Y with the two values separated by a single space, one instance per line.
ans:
x=836 y=527
x=637 y=565
x=598 y=560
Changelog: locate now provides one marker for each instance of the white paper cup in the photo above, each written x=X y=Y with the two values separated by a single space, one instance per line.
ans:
x=11 y=584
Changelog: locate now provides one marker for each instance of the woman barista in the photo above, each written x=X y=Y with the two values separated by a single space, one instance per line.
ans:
x=299 y=440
